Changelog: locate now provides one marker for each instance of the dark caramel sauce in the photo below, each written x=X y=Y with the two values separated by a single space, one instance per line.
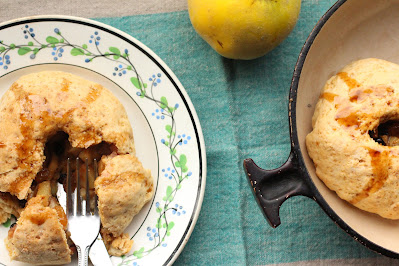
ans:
x=35 y=108
x=328 y=96
x=65 y=85
x=67 y=116
x=88 y=137
x=26 y=126
x=346 y=117
x=26 y=147
x=359 y=94
x=380 y=161
x=375 y=92
x=93 y=94
x=350 y=82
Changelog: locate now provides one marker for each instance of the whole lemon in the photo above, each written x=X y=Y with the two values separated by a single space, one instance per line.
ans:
x=243 y=29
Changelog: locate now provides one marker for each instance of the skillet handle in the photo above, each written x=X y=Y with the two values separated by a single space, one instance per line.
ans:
x=272 y=187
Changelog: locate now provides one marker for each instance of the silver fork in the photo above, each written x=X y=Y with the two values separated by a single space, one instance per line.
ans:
x=83 y=224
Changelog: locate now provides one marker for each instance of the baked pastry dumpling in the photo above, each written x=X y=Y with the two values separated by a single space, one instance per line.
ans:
x=39 y=236
x=125 y=177
x=39 y=105
x=50 y=116
x=354 y=139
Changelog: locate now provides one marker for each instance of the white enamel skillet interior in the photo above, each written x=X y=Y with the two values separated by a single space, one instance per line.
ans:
x=349 y=31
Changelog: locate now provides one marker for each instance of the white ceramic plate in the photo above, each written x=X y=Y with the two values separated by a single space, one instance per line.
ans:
x=167 y=132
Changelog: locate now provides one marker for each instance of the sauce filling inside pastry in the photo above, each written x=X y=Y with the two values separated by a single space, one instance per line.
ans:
x=46 y=118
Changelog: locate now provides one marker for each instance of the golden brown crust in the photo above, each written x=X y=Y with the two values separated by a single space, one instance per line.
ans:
x=40 y=104
x=116 y=246
x=9 y=205
x=35 y=108
x=39 y=236
x=123 y=187
x=358 y=99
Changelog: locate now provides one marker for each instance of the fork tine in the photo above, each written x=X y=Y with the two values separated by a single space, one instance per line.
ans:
x=95 y=195
x=69 y=188
x=87 y=189
x=84 y=227
x=78 y=203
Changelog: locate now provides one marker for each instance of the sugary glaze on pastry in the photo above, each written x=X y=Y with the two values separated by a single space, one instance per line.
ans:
x=39 y=105
x=39 y=236
x=125 y=175
x=46 y=118
x=355 y=133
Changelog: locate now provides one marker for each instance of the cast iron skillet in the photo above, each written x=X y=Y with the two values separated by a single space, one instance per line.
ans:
x=341 y=28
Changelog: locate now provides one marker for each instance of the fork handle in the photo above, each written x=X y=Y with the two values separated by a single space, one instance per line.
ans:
x=83 y=256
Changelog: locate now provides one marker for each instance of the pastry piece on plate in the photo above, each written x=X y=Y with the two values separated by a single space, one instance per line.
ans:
x=39 y=105
x=39 y=236
x=50 y=116
x=116 y=245
x=9 y=205
x=123 y=188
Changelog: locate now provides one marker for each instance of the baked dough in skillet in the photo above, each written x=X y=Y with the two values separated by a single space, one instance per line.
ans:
x=354 y=137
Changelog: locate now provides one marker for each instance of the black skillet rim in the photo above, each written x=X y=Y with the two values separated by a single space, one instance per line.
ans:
x=295 y=143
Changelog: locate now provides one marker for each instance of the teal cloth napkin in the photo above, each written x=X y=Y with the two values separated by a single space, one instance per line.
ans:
x=243 y=110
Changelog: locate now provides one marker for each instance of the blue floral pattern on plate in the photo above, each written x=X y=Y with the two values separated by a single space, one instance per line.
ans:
x=178 y=149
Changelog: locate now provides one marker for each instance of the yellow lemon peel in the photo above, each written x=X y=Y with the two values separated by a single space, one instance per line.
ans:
x=243 y=29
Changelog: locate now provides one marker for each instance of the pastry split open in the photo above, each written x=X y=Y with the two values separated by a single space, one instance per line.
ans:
x=49 y=116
